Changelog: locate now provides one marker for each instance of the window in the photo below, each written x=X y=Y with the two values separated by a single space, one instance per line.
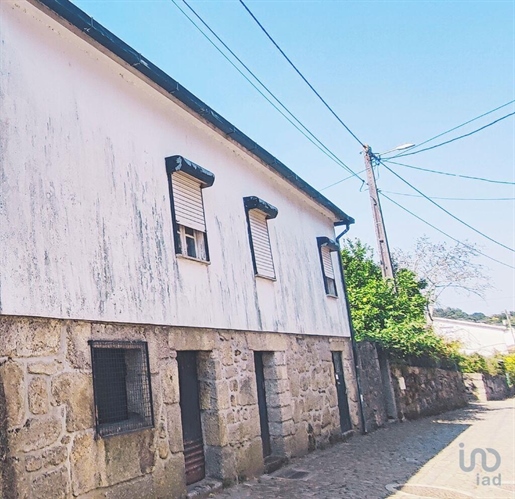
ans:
x=325 y=247
x=186 y=180
x=192 y=242
x=258 y=213
x=121 y=386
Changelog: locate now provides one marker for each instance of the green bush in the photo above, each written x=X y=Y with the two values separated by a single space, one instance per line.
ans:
x=387 y=313
x=476 y=363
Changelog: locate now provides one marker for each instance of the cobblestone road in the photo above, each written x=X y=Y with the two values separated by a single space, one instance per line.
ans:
x=423 y=454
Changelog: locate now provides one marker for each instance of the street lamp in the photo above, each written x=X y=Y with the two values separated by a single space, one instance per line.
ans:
x=402 y=147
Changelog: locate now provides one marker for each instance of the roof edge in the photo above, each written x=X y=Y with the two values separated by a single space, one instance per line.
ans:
x=85 y=23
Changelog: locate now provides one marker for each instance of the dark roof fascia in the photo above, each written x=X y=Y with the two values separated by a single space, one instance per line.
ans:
x=118 y=47
x=181 y=164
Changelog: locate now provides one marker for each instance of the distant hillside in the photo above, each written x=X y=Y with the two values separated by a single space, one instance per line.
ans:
x=460 y=315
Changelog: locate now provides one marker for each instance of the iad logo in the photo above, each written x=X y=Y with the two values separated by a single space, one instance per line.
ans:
x=487 y=464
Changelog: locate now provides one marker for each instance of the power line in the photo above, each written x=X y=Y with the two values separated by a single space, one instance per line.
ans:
x=313 y=138
x=300 y=74
x=449 y=199
x=340 y=181
x=449 y=174
x=456 y=138
x=445 y=233
x=445 y=210
x=456 y=127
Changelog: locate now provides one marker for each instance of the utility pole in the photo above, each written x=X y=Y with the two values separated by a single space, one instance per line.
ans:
x=382 y=240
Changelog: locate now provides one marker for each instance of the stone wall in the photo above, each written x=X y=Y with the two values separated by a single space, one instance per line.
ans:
x=484 y=387
x=48 y=446
x=424 y=391
x=374 y=403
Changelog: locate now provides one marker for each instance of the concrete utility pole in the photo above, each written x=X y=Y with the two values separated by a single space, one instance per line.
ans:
x=382 y=240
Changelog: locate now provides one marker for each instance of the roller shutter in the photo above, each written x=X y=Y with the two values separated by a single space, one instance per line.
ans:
x=261 y=244
x=327 y=262
x=187 y=198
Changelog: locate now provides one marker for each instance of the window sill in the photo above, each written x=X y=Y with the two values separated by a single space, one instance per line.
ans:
x=268 y=278
x=335 y=297
x=186 y=257
x=107 y=430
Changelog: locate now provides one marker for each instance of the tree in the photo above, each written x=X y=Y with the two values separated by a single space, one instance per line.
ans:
x=458 y=314
x=442 y=266
x=393 y=318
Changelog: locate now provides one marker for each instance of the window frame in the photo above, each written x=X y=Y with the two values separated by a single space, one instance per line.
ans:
x=205 y=178
x=199 y=243
x=331 y=246
x=270 y=212
x=127 y=425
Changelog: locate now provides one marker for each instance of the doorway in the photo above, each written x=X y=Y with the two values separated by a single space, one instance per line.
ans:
x=341 y=390
x=190 y=414
x=263 y=410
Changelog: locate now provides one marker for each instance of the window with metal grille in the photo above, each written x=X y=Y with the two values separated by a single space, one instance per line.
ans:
x=121 y=386
x=258 y=214
x=186 y=181
x=325 y=247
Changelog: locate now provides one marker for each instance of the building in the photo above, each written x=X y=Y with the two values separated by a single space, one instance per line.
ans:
x=172 y=306
x=476 y=337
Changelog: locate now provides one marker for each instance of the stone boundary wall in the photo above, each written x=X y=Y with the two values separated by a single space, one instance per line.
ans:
x=413 y=391
x=484 y=387
x=48 y=446
x=424 y=391
x=374 y=403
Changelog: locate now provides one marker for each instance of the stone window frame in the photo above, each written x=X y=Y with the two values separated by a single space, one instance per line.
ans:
x=135 y=411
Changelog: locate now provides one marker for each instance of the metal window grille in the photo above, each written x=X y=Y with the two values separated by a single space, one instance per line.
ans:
x=121 y=386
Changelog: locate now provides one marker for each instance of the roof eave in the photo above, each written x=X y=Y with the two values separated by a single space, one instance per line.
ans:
x=86 y=24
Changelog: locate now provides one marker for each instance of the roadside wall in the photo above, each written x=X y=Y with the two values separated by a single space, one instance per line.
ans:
x=423 y=391
x=374 y=403
x=484 y=387
x=401 y=391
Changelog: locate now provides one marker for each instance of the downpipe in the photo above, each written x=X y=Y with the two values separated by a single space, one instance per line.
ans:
x=352 y=337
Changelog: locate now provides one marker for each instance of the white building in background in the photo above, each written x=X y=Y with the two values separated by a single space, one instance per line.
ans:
x=172 y=304
x=476 y=337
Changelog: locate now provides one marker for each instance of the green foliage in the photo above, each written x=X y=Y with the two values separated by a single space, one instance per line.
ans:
x=509 y=366
x=474 y=363
x=393 y=318
x=477 y=363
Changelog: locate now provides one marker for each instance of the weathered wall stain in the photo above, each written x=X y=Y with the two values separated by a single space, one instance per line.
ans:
x=85 y=221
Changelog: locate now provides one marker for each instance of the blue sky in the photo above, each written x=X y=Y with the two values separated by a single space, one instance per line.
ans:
x=394 y=71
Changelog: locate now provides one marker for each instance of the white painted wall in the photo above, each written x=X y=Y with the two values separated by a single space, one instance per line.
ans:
x=475 y=337
x=85 y=223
